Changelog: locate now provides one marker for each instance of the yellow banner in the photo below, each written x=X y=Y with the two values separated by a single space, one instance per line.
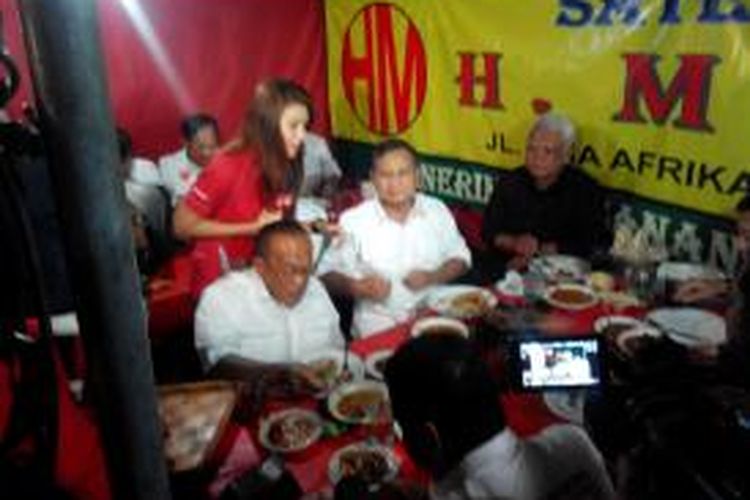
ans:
x=659 y=89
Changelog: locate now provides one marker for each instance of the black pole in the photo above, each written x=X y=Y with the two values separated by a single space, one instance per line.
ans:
x=63 y=43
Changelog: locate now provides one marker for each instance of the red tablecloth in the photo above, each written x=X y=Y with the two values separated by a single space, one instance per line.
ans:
x=526 y=414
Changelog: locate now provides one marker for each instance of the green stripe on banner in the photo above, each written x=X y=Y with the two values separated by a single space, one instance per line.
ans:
x=689 y=235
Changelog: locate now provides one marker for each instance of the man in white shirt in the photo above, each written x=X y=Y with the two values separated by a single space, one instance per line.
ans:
x=321 y=172
x=180 y=169
x=394 y=248
x=274 y=313
x=446 y=403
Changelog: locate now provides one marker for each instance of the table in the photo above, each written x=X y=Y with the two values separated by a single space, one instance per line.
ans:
x=526 y=414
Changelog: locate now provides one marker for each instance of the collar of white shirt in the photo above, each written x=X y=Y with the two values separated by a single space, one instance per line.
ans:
x=418 y=209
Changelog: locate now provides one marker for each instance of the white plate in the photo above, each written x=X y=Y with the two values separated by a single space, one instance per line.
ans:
x=371 y=416
x=636 y=326
x=335 y=472
x=682 y=271
x=621 y=341
x=356 y=366
x=549 y=296
x=603 y=322
x=436 y=323
x=310 y=209
x=690 y=326
x=372 y=361
x=511 y=285
x=560 y=267
x=291 y=413
x=443 y=300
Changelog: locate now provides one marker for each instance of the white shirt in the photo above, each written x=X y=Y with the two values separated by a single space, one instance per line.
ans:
x=144 y=172
x=375 y=243
x=318 y=164
x=560 y=461
x=178 y=173
x=237 y=315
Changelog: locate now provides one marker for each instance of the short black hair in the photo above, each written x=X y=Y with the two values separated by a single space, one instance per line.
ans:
x=393 y=144
x=443 y=380
x=287 y=227
x=744 y=204
x=193 y=123
x=124 y=144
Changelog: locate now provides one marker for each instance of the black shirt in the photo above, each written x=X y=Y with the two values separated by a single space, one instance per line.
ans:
x=570 y=213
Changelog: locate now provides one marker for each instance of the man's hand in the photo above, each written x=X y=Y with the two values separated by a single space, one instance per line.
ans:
x=371 y=287
x=525 y=246
x=518 y=263
x=418 y=279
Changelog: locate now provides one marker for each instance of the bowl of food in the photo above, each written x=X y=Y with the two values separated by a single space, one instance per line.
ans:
x=328 y=367
x=461 y=301
x=375 y=363
x=600 y=281
x=629 y=335
x=364 y=402
x=570 y=296
x=438 y=325
x=613 y=325
x=290 y=430
x=372 y=463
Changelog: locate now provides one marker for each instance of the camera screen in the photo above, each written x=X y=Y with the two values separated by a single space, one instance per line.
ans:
x=558 y=363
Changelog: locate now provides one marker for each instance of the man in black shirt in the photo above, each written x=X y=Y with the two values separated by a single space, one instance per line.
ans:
x=545 y=206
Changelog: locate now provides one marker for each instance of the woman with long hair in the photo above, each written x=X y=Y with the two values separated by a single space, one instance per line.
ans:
x=251 y=183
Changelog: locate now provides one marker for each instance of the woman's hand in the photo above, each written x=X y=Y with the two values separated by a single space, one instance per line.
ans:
x=265 y=218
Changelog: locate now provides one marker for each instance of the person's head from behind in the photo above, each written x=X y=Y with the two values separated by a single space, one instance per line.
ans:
x=444 y=399
x=284 y=260
x=200 y=132
x=395 y=173
x=547 y=148
x=275 y=124
x=743 y=224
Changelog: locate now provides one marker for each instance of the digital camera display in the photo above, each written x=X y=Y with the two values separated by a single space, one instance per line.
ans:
x=552 y=363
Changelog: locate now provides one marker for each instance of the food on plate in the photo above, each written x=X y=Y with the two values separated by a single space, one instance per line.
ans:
x=369 y=464
x=325 y=370
x=470 y=304
x=292 y=430
x=601 y=281
x=364 y=405
x=620 y=300
x=572 y=296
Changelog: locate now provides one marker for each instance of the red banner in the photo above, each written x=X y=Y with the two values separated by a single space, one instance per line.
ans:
x=169 y=58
